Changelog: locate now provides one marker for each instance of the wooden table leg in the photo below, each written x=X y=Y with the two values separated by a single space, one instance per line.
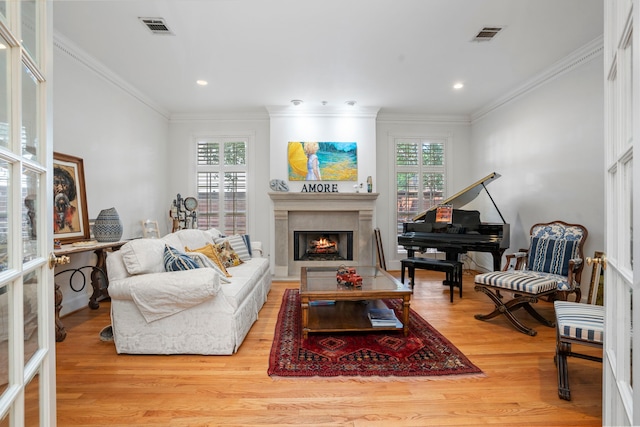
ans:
x=61 y=333
x=305 y=318
x=99 y=280
x=405 y=314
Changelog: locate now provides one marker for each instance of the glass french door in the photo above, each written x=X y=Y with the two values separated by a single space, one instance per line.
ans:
x=27 y=341
x=621 y=405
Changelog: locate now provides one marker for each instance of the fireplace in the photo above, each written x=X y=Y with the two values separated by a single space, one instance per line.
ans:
x=323 y=245
x=339 y=215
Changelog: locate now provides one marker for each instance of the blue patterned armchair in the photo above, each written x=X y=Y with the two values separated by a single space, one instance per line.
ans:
x=551 y=268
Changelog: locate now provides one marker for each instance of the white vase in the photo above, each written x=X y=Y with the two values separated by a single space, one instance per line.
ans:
x=108 y=227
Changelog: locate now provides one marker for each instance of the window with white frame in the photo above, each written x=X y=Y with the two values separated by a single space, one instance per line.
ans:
x=222 y=184
x=420 y=176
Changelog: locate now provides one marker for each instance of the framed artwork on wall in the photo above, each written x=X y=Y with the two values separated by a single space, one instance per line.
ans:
x=70 y=217
x=322 y=161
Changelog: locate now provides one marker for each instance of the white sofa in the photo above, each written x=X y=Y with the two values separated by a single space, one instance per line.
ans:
x=195 y=311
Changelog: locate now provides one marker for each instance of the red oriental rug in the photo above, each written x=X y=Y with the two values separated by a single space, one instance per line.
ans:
x=425 y=352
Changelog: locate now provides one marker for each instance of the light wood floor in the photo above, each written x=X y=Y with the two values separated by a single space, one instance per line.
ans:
x=97 y=387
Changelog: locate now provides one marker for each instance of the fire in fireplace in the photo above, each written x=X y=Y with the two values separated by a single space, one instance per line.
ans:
x=323 y=245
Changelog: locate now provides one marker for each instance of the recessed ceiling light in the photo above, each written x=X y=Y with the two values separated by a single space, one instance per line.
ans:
x=458 y=86
x=202 y=82
x=296 y=102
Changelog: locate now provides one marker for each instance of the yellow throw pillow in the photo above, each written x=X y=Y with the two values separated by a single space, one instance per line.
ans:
x=210 y=252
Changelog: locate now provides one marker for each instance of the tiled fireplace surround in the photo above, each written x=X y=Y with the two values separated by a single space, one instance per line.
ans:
x=322 y=212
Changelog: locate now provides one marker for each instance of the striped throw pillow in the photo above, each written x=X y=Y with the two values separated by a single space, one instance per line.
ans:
x=551 y=255
x=174 y=260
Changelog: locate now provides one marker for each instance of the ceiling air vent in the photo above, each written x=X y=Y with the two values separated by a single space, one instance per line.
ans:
x=487 y=34
x=156 y=26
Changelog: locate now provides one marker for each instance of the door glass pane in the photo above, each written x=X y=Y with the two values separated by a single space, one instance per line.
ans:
x=30 y=315
x=29 y=137
x=234 y=153
x=627 y=200
x=407 y=154
x=29 y=26
x=432 y=189
x=32 y=402
x=5 y=174
x=235 y=203
x=4 y=338
x=208 y=200
x=432 y=154
x=208 y=153
x=4 y=94
x=30 y=190
x=407 y=197
x=3 y=9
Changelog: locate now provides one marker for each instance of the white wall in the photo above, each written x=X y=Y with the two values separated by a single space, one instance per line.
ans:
x=123 y=144
x=548 y=147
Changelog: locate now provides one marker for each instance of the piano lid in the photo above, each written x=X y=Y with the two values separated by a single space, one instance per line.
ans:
x=462 y=198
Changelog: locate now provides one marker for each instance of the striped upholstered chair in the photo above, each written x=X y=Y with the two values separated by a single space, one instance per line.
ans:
x=551 y=268
x=581 y=324
x=576 y=323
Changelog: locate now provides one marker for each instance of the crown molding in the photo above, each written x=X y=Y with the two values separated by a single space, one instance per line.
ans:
x=73 y=51
x=226 y=116
x=579 y=57
x=302 y=111
x=423 y=118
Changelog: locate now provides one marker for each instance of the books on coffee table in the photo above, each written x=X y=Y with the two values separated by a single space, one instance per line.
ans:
x=383 y=317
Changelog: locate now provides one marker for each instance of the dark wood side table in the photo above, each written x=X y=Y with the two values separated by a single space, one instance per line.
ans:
x=99 y=277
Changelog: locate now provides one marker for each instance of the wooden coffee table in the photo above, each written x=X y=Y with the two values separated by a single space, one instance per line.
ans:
x=330 y=307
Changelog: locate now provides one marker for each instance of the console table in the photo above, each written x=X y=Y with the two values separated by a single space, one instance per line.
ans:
x=99 y=278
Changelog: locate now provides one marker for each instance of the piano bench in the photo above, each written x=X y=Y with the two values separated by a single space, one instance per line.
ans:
x=453 y=269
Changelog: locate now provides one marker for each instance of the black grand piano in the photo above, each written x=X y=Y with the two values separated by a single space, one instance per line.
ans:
x=462 y=232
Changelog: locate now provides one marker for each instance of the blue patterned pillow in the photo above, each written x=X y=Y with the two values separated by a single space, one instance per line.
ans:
x=551 y=255
x=247 y=242
x=174 y=260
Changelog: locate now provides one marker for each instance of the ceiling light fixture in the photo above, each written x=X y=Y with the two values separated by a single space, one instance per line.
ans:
x=202 y=82
x=296 y=102
x=350 y=103
x=458 y=86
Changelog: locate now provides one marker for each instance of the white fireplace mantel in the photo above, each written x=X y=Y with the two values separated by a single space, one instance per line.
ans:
x=322 y=211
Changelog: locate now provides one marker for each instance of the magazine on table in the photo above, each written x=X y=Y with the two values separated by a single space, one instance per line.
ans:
x=383 y=317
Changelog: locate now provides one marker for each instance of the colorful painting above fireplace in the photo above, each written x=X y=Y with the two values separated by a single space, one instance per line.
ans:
x=323 y=161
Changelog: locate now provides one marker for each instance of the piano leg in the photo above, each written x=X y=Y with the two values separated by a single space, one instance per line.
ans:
x=497 y=259
x=453 y=256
